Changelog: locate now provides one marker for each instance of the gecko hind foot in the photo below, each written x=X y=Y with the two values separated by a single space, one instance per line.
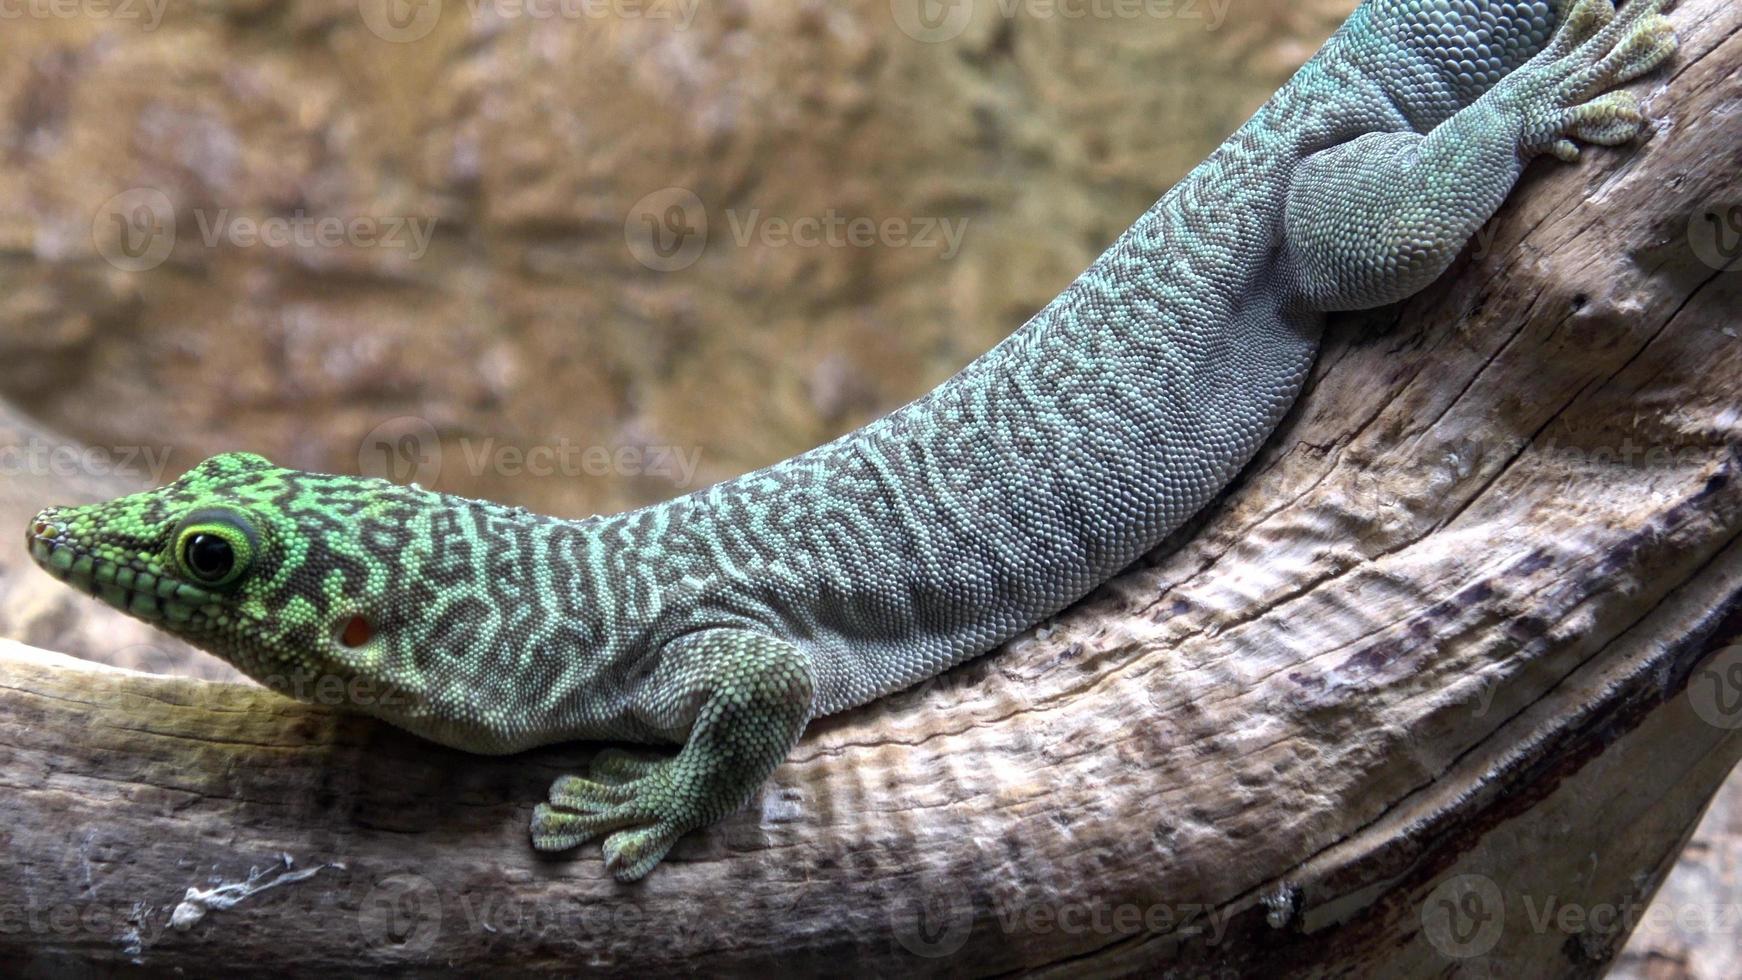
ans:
x=1582 y=23
x=1648 y=42
x=1596 y=49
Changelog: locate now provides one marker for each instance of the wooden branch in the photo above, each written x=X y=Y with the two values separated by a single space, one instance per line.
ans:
x=1439 y=683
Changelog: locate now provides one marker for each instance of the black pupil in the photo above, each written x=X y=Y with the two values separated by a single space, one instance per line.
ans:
x=210 y=556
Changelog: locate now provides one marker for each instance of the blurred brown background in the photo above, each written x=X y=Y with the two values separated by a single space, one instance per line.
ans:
x=572 y=254
x=578 y=255
x=523 y=145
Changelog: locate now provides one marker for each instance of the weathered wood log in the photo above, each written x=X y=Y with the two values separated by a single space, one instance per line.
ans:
x=1442 y=684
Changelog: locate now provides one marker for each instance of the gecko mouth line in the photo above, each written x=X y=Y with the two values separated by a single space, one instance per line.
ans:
x=130 y=586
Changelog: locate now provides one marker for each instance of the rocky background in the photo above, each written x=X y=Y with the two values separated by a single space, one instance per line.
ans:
x=577 y=255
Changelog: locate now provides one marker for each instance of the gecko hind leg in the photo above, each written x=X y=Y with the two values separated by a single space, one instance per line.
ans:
x=1375 y=219
x=1558 y=96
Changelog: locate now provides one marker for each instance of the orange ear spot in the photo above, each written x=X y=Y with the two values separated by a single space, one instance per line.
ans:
x=357 y=632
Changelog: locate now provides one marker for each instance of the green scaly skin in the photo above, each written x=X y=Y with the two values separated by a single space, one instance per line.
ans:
x=727 y=619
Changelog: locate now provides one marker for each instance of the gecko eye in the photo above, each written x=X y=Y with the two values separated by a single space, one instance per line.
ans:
x=215 y=547
x=209 y=557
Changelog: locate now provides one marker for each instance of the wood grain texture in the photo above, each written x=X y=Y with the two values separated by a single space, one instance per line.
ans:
x=1447 y=663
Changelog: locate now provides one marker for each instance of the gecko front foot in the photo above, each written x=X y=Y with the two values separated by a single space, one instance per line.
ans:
x=1557 y=95
x=744 y=699
x=638 y=803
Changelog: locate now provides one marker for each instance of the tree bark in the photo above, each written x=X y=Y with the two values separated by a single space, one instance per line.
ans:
x=1442 y=685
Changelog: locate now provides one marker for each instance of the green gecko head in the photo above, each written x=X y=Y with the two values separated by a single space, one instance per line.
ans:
x=290 y=576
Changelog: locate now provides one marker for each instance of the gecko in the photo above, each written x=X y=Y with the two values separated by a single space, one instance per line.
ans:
x=723 y=621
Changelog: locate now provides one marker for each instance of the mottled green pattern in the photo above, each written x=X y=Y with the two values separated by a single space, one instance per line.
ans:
x=726 y=619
